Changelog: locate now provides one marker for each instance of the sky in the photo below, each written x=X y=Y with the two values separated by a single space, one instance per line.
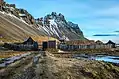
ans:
x=98 y=19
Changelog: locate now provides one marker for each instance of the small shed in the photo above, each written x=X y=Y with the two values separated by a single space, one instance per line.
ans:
x=111 y=43
x=49 y=44
x=44 y=45
x=52 y=44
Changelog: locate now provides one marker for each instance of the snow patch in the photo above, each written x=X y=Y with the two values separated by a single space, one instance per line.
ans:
x=22 y=15
x=11 y=15
x=53 y=25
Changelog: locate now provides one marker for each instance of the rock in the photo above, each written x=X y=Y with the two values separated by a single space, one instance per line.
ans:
x=12 y=5
x=1 y=2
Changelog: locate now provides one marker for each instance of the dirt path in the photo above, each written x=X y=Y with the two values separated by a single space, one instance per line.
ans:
x=43 y=69
x=15 y=69
x=33 y=70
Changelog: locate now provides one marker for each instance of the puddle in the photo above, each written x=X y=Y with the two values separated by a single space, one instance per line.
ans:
x=99 y=57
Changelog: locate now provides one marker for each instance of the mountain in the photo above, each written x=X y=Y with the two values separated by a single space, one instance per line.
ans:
x=55 y=25
x=17 y=24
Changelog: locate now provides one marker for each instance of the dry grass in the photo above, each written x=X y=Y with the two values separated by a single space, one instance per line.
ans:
x=10 y=54
x=69 y=68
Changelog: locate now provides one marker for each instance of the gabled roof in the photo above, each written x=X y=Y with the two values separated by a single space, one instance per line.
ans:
x=110 y=42
x=29 y=41
x=99 y=42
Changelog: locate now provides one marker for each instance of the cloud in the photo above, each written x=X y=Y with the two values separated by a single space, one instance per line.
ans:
x=105 y=35
x=116 y=31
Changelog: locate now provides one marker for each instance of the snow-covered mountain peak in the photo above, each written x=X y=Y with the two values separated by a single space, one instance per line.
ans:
x=56 y=26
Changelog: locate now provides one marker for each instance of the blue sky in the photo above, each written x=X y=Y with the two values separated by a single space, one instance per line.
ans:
x=98 y=19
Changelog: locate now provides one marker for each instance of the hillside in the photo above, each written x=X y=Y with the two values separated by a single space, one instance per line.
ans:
x=11 y=28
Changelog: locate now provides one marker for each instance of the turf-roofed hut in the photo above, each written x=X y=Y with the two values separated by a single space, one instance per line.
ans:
x=28 y=45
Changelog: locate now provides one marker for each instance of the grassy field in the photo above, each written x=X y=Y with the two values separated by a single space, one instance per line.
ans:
x=10 y=54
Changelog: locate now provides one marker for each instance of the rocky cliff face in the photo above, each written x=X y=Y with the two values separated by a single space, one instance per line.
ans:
x=19 y=13
x=23 y=24
x=55 y=25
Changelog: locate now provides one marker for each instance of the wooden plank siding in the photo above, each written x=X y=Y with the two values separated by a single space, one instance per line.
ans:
x=77 y=47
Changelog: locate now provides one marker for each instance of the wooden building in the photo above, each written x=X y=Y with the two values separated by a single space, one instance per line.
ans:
x=111 y=44
x=77 y=45
x=28 y=45
x=51 y=44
